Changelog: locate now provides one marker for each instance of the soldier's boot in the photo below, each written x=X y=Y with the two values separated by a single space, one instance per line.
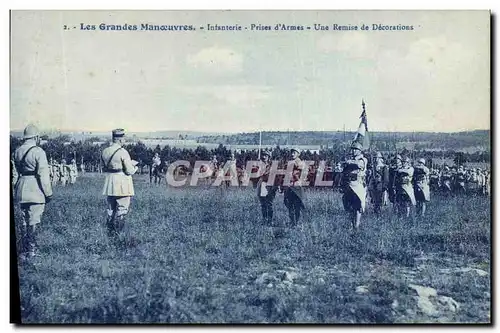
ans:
x=377 y=209
x=357 y=220
x=270 y=215
x=265 y=215
x=32 y=250
x=120 y=223
x=23 y=240
x=407 y=211
x=110 y=226
x=422 y=209
x=291 y=214
x=297 y=215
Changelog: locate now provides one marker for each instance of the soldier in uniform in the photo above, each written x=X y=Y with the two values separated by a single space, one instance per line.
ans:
x=233 y=172
x=155 y=169
x=421 y=185
x=266 y=192
x=487 y=180
x=82 y=166
x=446 y=180
x=33 y=188
x=156 y=160
x=379 y=183
x=55 y=172
x=353 y=182
x=434 y=180
x=293 y=192
x=118 y=186
x=63 y=172
x=460 y=179
x=405 y=196
x=337 y=175
x=397 y=163
x=73 y=172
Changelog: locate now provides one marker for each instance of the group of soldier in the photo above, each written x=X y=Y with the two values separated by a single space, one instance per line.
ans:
x=403 y=184
x=63 y=173
x=461 y=180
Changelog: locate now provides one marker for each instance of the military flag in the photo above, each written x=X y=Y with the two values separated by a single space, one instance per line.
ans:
x=361 y=135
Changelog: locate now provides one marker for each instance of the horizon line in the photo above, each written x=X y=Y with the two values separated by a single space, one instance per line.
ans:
x=249 y=132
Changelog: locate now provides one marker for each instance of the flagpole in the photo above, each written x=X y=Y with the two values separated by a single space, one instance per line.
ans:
x=260 y=143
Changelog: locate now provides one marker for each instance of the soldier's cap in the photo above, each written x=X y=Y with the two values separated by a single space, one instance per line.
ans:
x=295 y=149
x=357 y=145
x=118 y=133
x=398 y=157
x=30 y=131
x=421 y=160
x=379 y=155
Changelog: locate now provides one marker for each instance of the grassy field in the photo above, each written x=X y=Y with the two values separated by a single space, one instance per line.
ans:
x=201 y=255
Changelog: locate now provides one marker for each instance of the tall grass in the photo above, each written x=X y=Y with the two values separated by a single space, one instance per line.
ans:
x=195 y=255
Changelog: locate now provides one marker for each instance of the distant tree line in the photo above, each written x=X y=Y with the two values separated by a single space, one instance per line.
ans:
x=381 y=140
x=63 y=148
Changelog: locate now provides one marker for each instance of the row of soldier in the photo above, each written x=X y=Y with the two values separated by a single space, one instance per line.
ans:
x=63 y=173
x=404 y=184
x=461 y=180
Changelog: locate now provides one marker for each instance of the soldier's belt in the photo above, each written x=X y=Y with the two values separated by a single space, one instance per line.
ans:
x=113 y=171
x=28 y=173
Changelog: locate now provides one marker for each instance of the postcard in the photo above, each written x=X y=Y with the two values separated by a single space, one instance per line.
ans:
x=250 y=167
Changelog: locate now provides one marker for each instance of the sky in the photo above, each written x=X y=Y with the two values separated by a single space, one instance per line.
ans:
x=433 y=78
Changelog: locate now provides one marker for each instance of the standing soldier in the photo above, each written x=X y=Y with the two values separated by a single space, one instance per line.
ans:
x=33 y=189
x=405 y=196
x=337 y=176
x=156 y=162
x=293 y=192
x=353 y=180
x=214 y=166
x=118 y=186
x=422 y=190
x=460 y=179
x=397 y=163
x=487 y=180
x=379 y=183
x=233 y=171
x=434 y=180
x=51 y=171
x=155 y=169
x=82 y=166
x=55 y=172
x=73 y=172
x=266 y=192
x=63 y=172
x=446 y=180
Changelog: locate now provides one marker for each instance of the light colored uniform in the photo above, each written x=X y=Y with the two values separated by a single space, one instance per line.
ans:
x=33 y=184
x=118 y=185
x=63 y=174
x=354 y=173
x=404 y=188
x=233 y=171
x=73 y=173
x=422 y=190
x=156 y=161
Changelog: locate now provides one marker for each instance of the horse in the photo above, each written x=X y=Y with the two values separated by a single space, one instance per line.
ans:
x=157 y=172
